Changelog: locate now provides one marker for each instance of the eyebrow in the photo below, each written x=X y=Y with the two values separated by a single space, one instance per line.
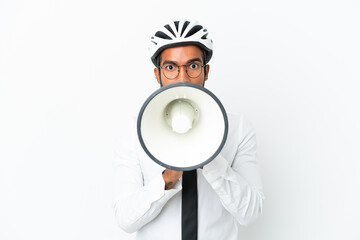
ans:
x=189 y=61
x=194 y=60
x=169 y=62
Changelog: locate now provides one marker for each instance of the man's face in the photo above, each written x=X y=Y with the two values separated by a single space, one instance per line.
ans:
x=188 y=55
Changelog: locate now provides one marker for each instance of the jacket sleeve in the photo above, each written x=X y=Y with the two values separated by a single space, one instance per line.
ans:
x=136 y=204
x=237 y=181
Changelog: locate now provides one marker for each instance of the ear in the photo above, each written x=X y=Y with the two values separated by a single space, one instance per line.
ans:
x=156 y=72
x=207 y=68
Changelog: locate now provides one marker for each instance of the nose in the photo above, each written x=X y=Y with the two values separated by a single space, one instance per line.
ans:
x=183 y=77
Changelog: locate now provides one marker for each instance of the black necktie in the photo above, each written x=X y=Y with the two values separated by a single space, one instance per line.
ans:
x=189 y=211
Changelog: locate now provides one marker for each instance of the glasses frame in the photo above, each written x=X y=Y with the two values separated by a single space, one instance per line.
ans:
x=186 y=70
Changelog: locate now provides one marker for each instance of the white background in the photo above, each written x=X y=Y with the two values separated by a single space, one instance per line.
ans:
x=72 y=70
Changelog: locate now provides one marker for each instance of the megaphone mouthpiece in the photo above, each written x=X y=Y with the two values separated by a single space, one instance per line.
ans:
x=181 y=115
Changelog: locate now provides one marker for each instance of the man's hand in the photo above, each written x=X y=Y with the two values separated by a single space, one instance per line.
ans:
x=170 y=177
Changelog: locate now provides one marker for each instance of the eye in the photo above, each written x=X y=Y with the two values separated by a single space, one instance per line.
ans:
x=193 y=65
x=169 y=67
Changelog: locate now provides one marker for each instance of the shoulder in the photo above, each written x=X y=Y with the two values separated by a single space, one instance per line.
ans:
x=238 y=121
x=240 y=129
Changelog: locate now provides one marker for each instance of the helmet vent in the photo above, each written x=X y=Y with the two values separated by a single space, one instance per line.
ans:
x=160 y=34
x=194 y=30
x=204 y=37
x=177 y=25
x=186 y=23
x=167 y=26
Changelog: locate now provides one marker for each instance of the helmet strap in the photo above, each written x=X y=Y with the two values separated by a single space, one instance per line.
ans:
x=161 y=85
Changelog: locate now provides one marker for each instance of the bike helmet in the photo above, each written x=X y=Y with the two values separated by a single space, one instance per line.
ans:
x=180 y=33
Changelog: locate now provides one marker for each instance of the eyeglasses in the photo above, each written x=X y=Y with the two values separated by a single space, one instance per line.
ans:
x=193 y=69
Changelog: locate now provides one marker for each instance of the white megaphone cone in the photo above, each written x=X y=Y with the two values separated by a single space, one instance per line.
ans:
x=182 y=126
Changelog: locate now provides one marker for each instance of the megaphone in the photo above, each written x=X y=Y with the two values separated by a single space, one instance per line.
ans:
x=182 y=126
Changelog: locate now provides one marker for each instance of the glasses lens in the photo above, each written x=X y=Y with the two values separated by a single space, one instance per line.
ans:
x=171 y=71
x=194 y=69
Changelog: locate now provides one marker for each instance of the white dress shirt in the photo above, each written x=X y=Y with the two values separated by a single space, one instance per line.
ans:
x=229 y=189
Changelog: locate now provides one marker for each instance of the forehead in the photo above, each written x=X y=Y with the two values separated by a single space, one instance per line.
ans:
x=181 y=54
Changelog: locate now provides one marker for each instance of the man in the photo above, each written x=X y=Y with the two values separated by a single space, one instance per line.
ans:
x=229 y=187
